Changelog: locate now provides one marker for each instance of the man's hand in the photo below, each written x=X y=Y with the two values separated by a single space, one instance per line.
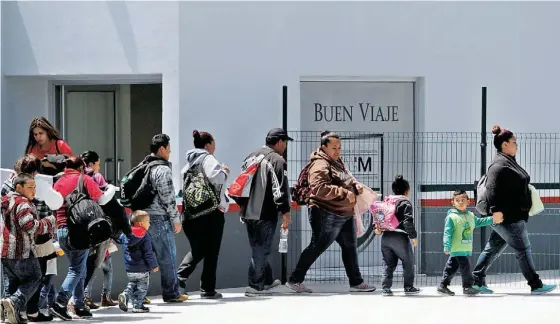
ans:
x=156 y=269
x=498 y=217
x=378 y=231
x=351 y=197
x=414 y=242
x=286 y=220
x=177 y=228
x=446 y=252
x=360 y=188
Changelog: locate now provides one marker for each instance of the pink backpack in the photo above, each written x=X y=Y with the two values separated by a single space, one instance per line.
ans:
x=383 y=213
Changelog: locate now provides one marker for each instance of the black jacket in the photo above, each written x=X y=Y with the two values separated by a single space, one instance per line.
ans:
x=507 y=189
x=270 y=193
x=404 y=214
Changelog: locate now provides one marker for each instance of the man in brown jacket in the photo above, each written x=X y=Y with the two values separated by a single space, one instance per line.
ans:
x=331 y=207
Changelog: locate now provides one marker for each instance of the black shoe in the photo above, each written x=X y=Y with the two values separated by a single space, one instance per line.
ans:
x=40 y=318
x=470 y=291
x=142 y=309
x=387 y=292
x=83 y=313
x=411 y=291
x=61 y=312
x=211 y=295
x=443 y=290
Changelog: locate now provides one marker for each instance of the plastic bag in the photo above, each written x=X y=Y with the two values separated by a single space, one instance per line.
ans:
x=363 y=202
x=537 y=206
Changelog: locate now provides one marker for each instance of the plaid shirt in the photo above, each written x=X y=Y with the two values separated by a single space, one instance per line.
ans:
x=42 y=209
x=21 y=226
x=164 y=202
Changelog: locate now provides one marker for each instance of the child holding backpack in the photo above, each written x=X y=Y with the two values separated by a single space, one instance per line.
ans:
x=393 y=218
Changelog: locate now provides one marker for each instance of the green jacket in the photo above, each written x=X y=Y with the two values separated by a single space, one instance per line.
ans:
x=458 y=232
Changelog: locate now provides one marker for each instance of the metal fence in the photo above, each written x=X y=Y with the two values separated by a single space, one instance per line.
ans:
x=435 y=164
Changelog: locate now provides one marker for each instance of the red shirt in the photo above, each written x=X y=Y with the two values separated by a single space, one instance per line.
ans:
x=63 y=148
x=66 y=184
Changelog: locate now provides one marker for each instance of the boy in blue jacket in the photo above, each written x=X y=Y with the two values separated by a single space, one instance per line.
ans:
x=139 y=260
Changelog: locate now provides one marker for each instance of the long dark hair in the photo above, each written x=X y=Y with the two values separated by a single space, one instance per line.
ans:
x=200 y=139
x=43 y=123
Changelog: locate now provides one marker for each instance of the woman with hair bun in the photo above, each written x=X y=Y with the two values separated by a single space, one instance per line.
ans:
x=205 y=232
x=509 y=200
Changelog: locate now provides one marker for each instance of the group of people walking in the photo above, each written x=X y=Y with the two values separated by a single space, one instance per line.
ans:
x=35 y=221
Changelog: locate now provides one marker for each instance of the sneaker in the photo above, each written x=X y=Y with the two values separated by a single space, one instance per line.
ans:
x=252 y=292
x=142 y=309
x=22 y=318
x=411 y=291
x=41 y=317
x=123 y=302
x=298 y=287
x=61 y=312
x=147 y=300
x=483 y=289
x=387 y=292
x=471 y=291
x=89 y=303
x=180 y=299
x=83 y=313
x=363 y=287
x=11 y=315
x=211 y=295
x=274 y=284
x=543 y=290
x=443 y=290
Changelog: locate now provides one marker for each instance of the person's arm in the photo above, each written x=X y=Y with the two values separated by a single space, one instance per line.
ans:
x=448 y=234
x=163 y=184
x=280 y=185
x=405 y=215
x=496 y=187
x=102 y=197
x=100 y=180
x=64 y=148
x=483 y=221
x=28 y=222
x=320 y=183
x=214 y=172
x=149 y=252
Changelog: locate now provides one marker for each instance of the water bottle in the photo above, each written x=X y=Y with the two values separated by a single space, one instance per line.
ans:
x=283 y=246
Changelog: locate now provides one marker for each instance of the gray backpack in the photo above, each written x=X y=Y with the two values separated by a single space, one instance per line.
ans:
x=481 y=201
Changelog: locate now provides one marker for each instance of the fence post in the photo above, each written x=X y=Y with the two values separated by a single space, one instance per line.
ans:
x=482 y=157
x=284 y=256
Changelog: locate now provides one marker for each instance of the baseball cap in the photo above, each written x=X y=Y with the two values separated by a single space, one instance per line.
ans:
x=279 y=133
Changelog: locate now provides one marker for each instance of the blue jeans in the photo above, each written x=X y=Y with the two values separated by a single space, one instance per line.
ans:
x=516 y=236
x=261 y=234
x=163 y=243
x=326 y=228
x=137 y=289
x=5 y=284
x=396 y=246
x=48 y=294
x=24 y=278
x=73 y=285
x=107 y=267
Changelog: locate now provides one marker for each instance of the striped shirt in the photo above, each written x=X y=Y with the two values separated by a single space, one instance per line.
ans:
x=21 y=226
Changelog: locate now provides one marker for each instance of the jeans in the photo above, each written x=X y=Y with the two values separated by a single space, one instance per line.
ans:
x=5 y=284
x=453 y=264
x=516 y=236
x=163 y=243
x=396 y=246
x=24 y=278
x=96 y=257
x=260 y=234
x=137 y=289
x=107 y=267
x=325 y=229
x=48 y=294
x=34 y=303
x=73 y=284
x=205 y=237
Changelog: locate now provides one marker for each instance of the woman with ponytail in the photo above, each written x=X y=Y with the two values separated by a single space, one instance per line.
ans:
x=205 y=232
x=509 y=199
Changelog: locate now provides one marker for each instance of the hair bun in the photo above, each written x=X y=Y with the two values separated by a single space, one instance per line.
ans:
x=195 y=133
x=399 y=177
x=496 y=130
x=325 y=133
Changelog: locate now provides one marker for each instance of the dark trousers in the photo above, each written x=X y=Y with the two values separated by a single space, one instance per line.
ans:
x=33 y=303
x=326 y=228
x=462 y=264
x=396 y=246
x=205 y=237
x=260 y=234
x=24 y=278
x=516 y=236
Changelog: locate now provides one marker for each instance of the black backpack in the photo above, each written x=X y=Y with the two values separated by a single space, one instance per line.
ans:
x=87 y=224
x=199 y=195
x=137 y=191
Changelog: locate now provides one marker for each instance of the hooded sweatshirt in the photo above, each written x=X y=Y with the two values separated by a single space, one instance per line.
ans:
x=138 y=252
x=458 y=232
x=330 y=184
x=213 y=170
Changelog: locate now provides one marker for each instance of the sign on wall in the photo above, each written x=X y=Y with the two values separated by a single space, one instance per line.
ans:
x=361 y=111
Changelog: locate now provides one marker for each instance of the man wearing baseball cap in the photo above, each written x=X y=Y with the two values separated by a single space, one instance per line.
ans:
x=269 y=198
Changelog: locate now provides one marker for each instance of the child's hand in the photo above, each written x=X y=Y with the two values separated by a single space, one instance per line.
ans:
x=377 y=231
x=446 y=252
x=414 y=242
x=156 y=269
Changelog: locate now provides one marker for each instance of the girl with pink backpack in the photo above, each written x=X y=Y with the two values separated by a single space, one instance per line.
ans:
x=394 y=219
